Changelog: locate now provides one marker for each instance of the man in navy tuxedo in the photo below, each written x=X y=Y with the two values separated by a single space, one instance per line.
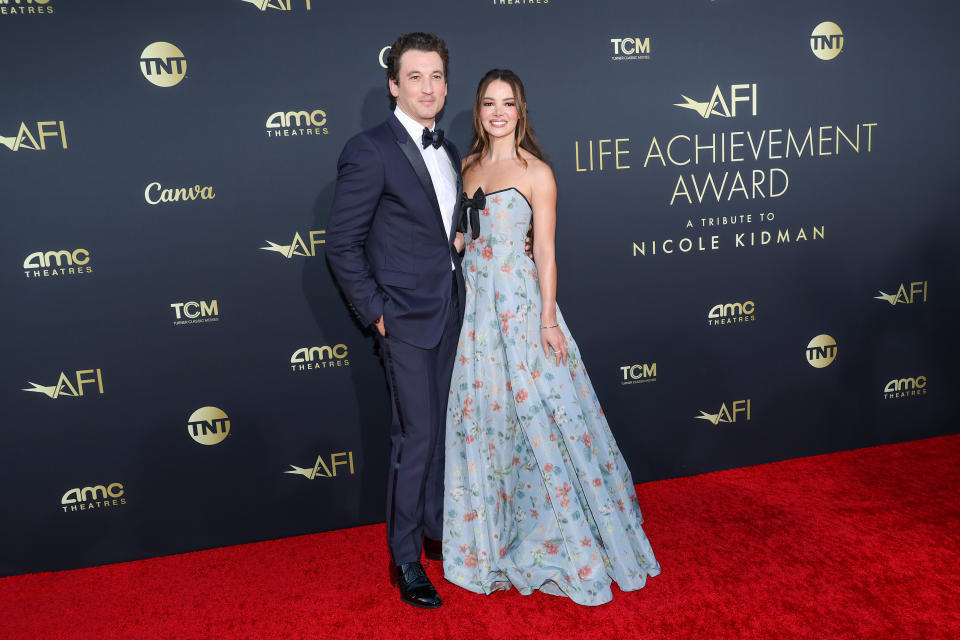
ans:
x=390 y=246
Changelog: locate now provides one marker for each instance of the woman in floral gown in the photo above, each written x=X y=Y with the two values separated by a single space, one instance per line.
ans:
x=537 y=494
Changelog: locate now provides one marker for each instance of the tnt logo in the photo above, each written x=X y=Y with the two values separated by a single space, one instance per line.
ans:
x=71 y=386
x=322 y=470
x=732 y=313
x=195 y=312
x=306 y=358
x=298 y=247
x=717 y=105
x=915 y=293
x=738 y=409
x=826 y=41
x=25 y=139
x=638 y=373
x=635 y=48
x=163 y=64
x=821 y=351
x=905 y=387
x=208 y=425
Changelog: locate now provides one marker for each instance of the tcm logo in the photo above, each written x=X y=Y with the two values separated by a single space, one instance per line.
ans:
x=72 y=386
x=738 y=409
x=635 y=48
x=306 y=358
x=732 y=313
x=195 y=312
x=821 y=351
x=45 y=129
x=279 y=5
x=298 y=247
x=155 y=193
x=638 y=373
x=321 y=470
x=57 y=263
x=297 y=123
x=915 y=293
x=163 y=64
x=826 y=41
x=717 y=105
x=93 y=497
x=208 y=425
x=905 y=388
x=25 y=7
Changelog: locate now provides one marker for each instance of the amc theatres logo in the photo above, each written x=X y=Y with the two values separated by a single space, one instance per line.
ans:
x=96 y=497
x=905 y=388
x=297 y=123
x=25 y=7
x=307 y=358
x=43 y=264
x=732 y=313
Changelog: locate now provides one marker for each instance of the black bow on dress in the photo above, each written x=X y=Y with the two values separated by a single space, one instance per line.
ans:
x=434 y=138
x=470 y=209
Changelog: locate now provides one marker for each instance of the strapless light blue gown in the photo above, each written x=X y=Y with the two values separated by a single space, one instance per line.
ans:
x=537 y=494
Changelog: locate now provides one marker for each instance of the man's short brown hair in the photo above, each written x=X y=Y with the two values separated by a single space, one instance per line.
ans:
x=417 y=41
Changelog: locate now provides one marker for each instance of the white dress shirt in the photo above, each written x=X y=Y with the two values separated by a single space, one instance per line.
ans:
x=440 y=167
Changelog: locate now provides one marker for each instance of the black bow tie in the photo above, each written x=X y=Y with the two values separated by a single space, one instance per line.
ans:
x=434 y=137
x=471 y=208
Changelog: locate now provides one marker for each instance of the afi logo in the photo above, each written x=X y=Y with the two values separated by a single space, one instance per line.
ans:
x=26 y=140
x=298 y=247
x=344 y=458
x=65 y=385
x=917 y=292
x=738 y=408
x=717 y=105
x=279 y=5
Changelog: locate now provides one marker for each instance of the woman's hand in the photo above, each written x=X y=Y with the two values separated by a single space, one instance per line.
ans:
x=459 y=243
x=552 y=339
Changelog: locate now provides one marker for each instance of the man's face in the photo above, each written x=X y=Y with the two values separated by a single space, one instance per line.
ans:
x=421 y=87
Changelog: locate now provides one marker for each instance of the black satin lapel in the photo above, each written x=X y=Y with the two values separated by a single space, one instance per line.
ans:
x=455 y=161
x=410 y=150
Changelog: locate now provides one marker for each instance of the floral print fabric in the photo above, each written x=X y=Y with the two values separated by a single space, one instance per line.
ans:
x=537 y=494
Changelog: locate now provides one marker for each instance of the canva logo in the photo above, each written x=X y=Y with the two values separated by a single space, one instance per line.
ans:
x=717 y=105
x=298 y=247
x=163 y=64
x=208 y=425
x=821 y=351
x=738 y=409
x=155 y=193
x=25 y=139
x=826 y=41
x=320 y=468
x=71 y=386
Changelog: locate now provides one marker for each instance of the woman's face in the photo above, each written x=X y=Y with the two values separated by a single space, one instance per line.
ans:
x=498 y=110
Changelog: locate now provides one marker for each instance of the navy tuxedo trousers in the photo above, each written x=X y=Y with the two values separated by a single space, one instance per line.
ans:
x=419 y=382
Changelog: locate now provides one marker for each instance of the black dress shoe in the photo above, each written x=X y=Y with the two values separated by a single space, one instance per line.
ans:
x=432 y=549
x=415 y=587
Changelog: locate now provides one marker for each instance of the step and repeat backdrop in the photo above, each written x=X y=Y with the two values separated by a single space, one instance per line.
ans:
x=757 y=231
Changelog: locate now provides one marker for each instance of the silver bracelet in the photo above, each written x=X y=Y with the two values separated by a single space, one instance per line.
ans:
x=553 y=326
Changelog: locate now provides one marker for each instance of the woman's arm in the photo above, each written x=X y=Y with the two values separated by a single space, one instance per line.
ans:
x=544 y=202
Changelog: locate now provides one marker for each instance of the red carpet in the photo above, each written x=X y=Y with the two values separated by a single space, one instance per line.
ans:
x=859 y=544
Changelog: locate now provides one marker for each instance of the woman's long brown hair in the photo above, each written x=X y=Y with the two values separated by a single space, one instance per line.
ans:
x=523 y=139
